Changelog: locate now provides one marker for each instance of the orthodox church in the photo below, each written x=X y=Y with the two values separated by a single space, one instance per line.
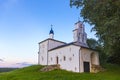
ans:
x=75 y=56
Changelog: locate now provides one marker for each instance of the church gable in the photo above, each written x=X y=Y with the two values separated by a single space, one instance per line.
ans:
x=65 y=45
x=55 y=43
x=52 y=40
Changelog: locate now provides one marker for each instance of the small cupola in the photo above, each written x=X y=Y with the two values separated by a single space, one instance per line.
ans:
x=51 y=33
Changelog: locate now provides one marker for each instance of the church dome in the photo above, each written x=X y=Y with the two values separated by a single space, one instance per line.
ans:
x=51 y=31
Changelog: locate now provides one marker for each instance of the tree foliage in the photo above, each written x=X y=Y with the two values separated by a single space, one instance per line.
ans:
x=105 y=16
x=94 y=44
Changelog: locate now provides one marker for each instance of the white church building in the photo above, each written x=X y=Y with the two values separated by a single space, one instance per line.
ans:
x=75 y=56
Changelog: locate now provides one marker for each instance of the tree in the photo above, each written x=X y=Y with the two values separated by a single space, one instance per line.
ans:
x=94 y=44
x=105 y=16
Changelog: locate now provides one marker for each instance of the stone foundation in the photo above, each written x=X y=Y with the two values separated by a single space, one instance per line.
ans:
x=50 y=68
x=96 y=68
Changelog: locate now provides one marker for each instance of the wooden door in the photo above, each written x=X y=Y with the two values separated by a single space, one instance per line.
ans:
x=86 y=67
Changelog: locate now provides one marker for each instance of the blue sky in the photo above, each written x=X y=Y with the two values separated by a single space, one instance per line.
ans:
x=24 y=23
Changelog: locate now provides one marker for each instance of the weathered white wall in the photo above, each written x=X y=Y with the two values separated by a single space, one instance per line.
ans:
x=75 y=35
x=53 y=44
x=43 y=49
x=71 y=53
x=74 y=56
x=86 y=56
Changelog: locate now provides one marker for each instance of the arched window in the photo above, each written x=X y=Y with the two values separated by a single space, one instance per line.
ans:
x=75 y=68
x=73 y=55
x=70 y=58
x=70 y=49
x=42 y=58
x=64 y=58
x=51 y=58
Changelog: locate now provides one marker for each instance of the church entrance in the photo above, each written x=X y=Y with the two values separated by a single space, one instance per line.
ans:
x=57 y=60
x=86 y=67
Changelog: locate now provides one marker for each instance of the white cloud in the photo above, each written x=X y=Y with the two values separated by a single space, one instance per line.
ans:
x=1 y=60
x=22 y=64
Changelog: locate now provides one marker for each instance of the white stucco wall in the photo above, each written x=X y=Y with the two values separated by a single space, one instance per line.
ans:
x=71 y=54
x=43 y=49
x=70 y=57
x=86 y=57
x=53 y=44
x=75 y=35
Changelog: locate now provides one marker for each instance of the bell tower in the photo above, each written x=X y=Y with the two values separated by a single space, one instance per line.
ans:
x=79 y=34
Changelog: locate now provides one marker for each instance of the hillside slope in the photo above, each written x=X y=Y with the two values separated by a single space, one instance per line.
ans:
x=7 y=69
x=33 y=73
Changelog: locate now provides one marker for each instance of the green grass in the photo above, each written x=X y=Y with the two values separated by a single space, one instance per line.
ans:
x=33 y=73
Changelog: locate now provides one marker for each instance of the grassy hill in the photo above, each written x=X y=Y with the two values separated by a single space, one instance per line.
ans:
x=7 y=69
x=33 y=73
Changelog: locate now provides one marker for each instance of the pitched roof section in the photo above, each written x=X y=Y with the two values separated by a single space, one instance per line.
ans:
x=72 y=43
x=61 y=46
x=52 y=40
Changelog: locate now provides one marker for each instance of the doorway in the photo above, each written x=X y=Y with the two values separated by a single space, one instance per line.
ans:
x=86 y=67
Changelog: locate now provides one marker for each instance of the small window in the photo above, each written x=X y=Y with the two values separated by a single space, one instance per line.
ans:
x=70 y=49
x=42 y=58
x=73 y=55
x=75 y=68
x=64 y=58
x=51 y=59
x=70 y=59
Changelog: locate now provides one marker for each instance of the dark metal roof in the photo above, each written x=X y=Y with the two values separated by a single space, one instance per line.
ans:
x=78 y=21
x=72 y=43
x=53 y=40
x=62 y=46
